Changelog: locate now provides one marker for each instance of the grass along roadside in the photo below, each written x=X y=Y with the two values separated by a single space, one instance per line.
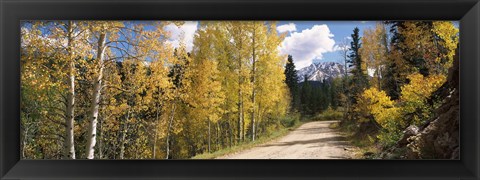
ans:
x=247 y=145
x=363 y=144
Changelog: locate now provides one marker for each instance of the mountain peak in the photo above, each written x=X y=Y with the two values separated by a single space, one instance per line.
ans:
x=321 y=71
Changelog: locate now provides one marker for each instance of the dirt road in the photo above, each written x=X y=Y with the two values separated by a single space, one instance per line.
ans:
x=313 y=140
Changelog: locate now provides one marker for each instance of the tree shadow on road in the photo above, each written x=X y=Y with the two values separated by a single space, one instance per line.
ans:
x=334 y=140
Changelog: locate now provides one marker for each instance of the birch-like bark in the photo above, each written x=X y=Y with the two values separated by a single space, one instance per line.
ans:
x=156 y=132
x=218 y=130
x=97 y=87
x=100 y=141
x=170 y=122
x=124 y=136
x=209 y=136
x=230 y=134
x=241 y=124
x=253 y=84
x=240 y=111
x=378 y=77
x=70 y=109
x=229 y=128
x=24 y=140
x=344 y=51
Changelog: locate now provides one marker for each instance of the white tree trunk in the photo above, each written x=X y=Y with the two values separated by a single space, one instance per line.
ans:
x=156 y=133
x=169 y=129
x=241 y=124
x=240 y=113
x=70 y=147
x=209 y=136
x=92 y=128
x=123 y=136
x=253 y=84
x=25 y=137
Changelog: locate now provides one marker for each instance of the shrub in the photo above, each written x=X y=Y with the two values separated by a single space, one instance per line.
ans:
x=377 y=105
x=415 y=94
x=290 y=120
x=373 y=102
x=330 y=114
x=388 y=138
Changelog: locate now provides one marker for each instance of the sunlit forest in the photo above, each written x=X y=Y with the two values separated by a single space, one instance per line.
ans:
x=123 y=90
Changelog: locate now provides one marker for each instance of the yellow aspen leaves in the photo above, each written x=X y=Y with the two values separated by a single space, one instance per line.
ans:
x=377 y=104
x=415 y=94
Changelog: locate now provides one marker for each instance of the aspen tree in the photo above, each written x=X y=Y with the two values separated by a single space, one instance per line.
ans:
x=239 y=38
x=206 y=94
x=273 y=95
x=103 y=31
x=374 y=51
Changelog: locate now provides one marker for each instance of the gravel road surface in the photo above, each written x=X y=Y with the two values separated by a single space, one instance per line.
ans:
x=313 y=140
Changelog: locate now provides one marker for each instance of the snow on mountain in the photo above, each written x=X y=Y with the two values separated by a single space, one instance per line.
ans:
x=321 y=71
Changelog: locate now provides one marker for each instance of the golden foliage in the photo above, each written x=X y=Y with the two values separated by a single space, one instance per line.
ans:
x=415 y=94
x=373 y=102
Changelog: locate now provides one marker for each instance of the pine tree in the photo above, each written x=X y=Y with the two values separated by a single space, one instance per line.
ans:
x=359 y=78
x=292 y=82
x=306 y=96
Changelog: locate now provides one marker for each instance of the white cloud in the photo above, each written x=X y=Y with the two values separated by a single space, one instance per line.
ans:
x=308 y=45
x=343 y=45
x=290 y=27
x=185 y=33
x=340 y=47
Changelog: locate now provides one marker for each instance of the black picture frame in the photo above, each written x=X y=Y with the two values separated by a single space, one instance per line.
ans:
x=465 y=11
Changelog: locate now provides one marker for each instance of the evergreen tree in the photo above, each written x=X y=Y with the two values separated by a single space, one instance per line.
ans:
x=392 y=80
x=305 y=96
x=334 y=93
x=292 y=82
x=359 y=78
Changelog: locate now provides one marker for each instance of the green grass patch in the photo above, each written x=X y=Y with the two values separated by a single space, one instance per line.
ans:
x=365 y=144
x=289 y=123
x=334 y=125
x=330 y=114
